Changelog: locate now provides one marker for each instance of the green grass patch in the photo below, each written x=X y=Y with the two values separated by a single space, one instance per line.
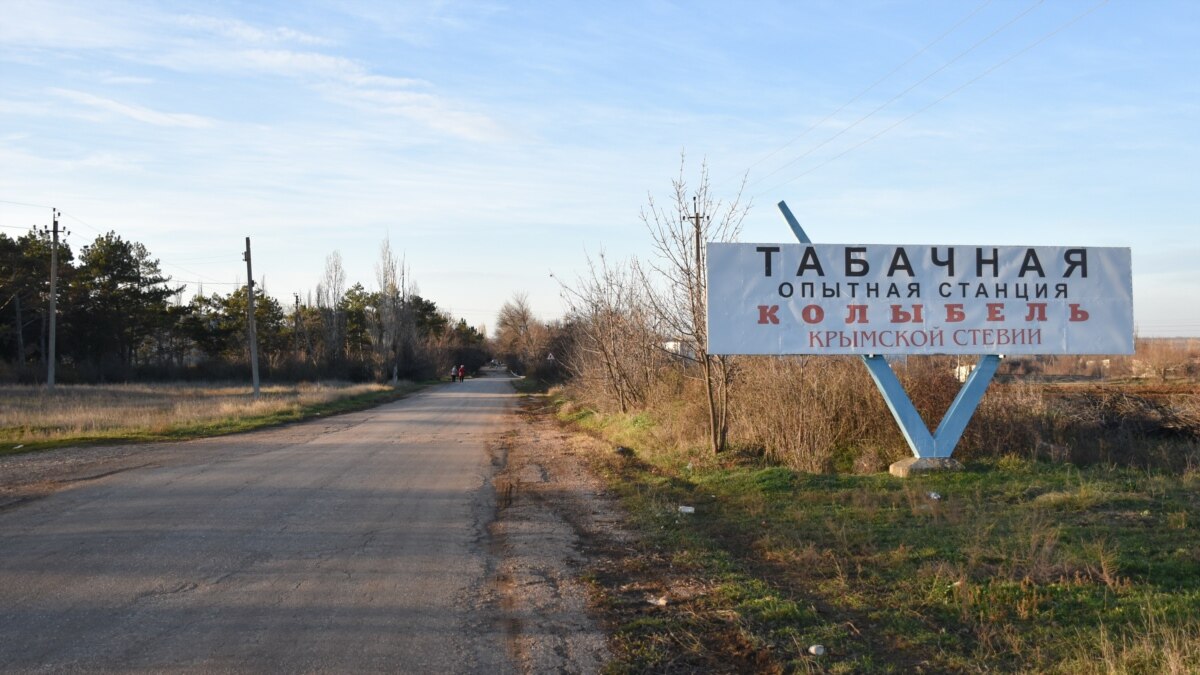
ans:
x=1011 y=565
x=530 y=385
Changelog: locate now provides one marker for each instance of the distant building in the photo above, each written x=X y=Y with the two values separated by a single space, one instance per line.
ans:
x=679 y=348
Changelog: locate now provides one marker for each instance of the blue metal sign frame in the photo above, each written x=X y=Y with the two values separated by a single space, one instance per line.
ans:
x=940 y=443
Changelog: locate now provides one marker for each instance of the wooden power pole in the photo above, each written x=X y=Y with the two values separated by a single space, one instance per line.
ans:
x=52 y=356
x=716 y=432
x=250 y=319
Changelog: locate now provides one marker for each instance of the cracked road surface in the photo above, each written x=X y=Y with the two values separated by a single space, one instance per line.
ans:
x=355 y=543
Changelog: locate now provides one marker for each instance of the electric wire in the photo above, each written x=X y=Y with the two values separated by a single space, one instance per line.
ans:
x=82 y=222
x=945 y=96
x=193 y=273
x=213 y=259
x=34 y=206
x=872 y=86
x=903 y=93
x=77 y=219
x=198 y=282
x=208 y=280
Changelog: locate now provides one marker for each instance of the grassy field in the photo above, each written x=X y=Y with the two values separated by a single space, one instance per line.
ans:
x=32 y=418
x=1011 y=566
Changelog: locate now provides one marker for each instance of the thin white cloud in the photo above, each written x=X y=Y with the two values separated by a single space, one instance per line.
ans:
x=67 y=25
x=240 y=31
x=134 y=112
x=113 y=78
x=424 y=108
x=296 y=63
x=198 y=43
x=345 y=81
x=365 y=80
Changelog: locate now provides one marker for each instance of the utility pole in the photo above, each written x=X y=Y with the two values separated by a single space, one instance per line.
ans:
x=250 y=318
x=696 y=218
x=296 y=327
x=52 y=357
x=716 y=434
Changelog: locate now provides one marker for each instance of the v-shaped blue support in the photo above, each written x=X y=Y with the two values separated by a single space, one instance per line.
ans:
x=924 y=444
x=941 y=442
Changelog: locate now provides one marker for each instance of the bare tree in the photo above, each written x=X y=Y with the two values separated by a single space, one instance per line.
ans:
x=519 y=334
x=679 y=282
x=615 y=343
x=329 y=298
x=395 y=331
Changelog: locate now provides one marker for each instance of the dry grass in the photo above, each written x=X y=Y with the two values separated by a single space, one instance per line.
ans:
x=1153 y=644
x=1069 y=546
x=824 y=415
x=35 y=415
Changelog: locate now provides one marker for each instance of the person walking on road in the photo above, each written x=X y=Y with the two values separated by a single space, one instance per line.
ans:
x=453 y=373
x=462 y=373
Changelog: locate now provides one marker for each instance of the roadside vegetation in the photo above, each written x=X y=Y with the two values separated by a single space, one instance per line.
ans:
x=1069 y=544
x=771 y=538
x=32 y=418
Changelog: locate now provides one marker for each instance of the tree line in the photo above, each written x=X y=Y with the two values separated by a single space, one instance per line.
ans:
x=120 y=318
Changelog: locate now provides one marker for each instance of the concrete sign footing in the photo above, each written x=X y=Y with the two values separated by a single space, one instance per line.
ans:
x=915 y=465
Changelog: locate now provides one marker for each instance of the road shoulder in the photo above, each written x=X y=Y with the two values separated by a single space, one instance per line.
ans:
x=555 y=522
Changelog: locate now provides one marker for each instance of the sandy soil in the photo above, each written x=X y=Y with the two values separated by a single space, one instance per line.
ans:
x=554 y=522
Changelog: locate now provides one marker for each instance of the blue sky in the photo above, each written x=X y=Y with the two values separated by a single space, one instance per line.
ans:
x=496 y=143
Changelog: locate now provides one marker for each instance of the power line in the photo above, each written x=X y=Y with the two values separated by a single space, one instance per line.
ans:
x=188 y=271
x=88 y=225
x=895 y=98
x=874 y=84
x=205 y=259
x=196 y=282
x=945 y=96
x=34 y=206
x=82 y=222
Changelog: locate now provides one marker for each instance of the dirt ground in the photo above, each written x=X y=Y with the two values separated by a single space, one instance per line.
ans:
x=554 y=524
x=573 y=576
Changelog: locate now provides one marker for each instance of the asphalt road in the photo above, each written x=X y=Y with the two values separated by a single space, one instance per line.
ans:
x=352 y=544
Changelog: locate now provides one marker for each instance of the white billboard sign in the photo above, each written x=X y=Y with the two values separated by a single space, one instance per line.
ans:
x=911 y=299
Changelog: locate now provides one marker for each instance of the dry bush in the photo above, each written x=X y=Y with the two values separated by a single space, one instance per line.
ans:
x=676 y=399
x=1164 y=358
x=1011 y=419
x=1117 y=426
x=821 y=414
x=1085 y=426
x=807 y=412
x=930 y=383
x=1187 y=408
x=615 y=349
